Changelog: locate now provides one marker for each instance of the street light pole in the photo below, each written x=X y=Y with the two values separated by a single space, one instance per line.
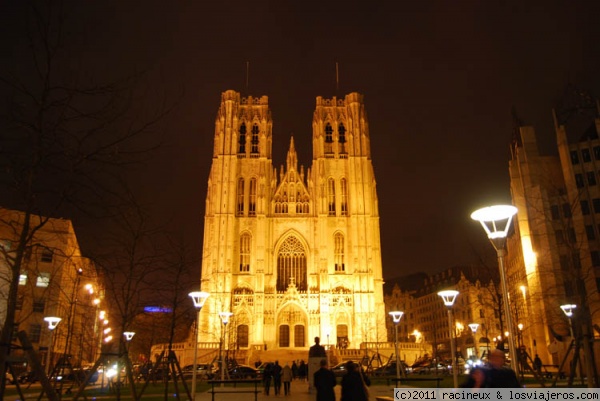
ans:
x=199 y=298
x=568 y=309
x=52 y=323
x=449 y=296
x=396 y=316
x=225 y=319
x=496 y=220
x=474 y=327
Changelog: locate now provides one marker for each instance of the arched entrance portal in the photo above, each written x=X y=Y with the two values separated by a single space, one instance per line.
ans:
x=292 y=327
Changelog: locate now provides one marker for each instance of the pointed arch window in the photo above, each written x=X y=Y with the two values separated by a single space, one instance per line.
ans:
x=342 y=138
x=344 y=203
x=245 y=243
x=240 y=197
x=254 y=141
x=252 y=198
x=328 y=139
x=339 y=253
x=331 y=196
x=291 y=265
x=242 y=335
x=242 y=139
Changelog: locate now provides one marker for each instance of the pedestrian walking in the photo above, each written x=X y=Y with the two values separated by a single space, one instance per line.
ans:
x=354 y=384
x=276 y=372
x=267 y=374
x=286 y=378
x=324 y=381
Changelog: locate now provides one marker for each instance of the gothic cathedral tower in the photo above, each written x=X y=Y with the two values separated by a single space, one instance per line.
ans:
x=292 y=254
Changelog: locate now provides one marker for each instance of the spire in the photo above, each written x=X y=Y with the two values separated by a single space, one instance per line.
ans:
x=292 y=157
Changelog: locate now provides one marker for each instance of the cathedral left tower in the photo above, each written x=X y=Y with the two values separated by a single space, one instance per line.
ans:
x=236 y=205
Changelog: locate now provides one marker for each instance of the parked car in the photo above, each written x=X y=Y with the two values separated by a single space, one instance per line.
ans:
x=244 y=372
x=389 y=369
x=430 y=367
x=27 y=377
x=203 y=371
x=340 y=370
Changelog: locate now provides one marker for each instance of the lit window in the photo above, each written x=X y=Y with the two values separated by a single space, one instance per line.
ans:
x=252 y=203
x=245 y=253
x=22 y=279
x=339 y=252
x=240 y=197
x=331 y=196
x=43 y=280
x=344 y=205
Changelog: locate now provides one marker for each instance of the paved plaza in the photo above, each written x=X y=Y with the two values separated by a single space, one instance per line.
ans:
x=299 y=392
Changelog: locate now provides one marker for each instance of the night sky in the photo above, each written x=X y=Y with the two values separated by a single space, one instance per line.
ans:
x=439 y=77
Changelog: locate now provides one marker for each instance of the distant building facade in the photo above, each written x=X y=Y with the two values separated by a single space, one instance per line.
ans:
x=55 y=280
x=293 y=254
x=426 y=318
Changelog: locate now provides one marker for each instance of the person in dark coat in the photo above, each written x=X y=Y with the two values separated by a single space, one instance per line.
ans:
x=325 y=382
x=276 y=372
x=497 y=375
x=353 y=384
x=267 y=374
x=294 y=370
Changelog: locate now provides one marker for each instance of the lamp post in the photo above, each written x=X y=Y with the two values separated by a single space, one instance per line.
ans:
x=569 y=309
x=52 y=321
x=225 y=319
x=474 y=327
x=199 y=298
x=396 y=316
x=496 y=220
x=328 y=331
x=449 y=296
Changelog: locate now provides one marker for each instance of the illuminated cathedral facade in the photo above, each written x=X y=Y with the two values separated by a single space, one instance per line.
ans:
x=294 y=253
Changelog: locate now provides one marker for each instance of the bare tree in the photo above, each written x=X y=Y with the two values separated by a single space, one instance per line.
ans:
x=63 y=142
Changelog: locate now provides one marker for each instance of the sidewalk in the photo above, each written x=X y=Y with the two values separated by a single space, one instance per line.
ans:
x=299 y=392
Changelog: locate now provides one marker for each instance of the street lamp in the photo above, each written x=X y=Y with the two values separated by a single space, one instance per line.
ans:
x=328 y=332
x=396 y=316
x=52 y=321
x=199 y=298
x=569 y=309
x=496 y=220
x=449 y=296
x=474 y=327
x=225 y=319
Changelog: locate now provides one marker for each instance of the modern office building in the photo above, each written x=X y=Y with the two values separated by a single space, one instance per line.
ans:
x=293 y=253
x=554 y=255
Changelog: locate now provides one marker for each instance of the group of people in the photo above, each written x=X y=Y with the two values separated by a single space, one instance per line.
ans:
x=494 y=375
x=354 y=383
x=278 y=375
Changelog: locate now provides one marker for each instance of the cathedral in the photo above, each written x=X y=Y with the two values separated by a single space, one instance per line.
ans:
x=292 y=253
